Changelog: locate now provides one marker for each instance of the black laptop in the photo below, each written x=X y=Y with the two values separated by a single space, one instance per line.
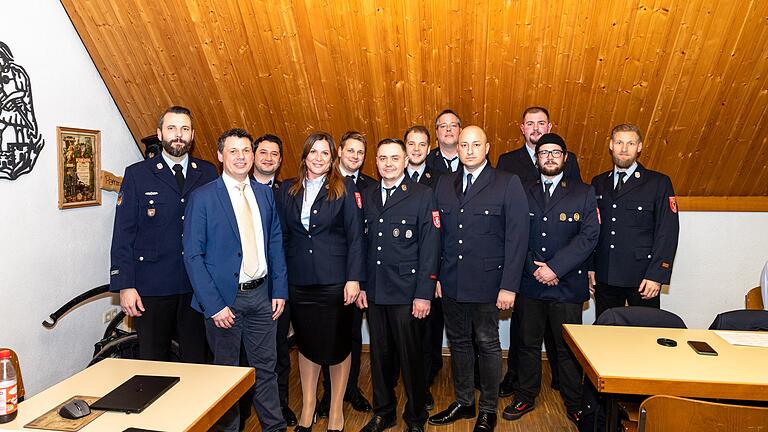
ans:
x=135 y=394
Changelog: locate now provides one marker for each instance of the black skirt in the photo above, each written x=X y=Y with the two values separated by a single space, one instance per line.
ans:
x=323 y=325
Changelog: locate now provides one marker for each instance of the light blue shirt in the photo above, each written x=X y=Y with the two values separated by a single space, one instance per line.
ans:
x=555 y=181
x=454 y=165
x=311 y=189
x=629 y=172
x=344 y=173
x=184 y=162
x=384 y=191
x=475 y=175
x=420 y=170
x=531 y=153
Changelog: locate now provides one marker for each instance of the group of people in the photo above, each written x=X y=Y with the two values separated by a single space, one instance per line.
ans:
x=442 y=241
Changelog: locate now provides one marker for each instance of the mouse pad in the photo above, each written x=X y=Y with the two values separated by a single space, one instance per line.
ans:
x=51 y=420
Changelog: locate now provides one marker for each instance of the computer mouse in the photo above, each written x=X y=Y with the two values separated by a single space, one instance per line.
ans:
x=74 y=409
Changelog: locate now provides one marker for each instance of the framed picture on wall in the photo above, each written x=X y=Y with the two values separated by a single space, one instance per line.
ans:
x=79 y=167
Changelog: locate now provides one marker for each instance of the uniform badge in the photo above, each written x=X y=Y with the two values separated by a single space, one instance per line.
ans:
x=563 y=183
x=120 y=198
x=408 y=234
x=436 y=219
x=358 y=199
x=396 y=232
x=637 y=174
x=114 y=272
x=159 y=165
x=151 y=193
x=404 y=187
x=673 y=204
x=599 y=221
x=576 y=216
x=194 y=165
x=562 y=217
x=151 y=212
x=665 y=265
x=427 y=175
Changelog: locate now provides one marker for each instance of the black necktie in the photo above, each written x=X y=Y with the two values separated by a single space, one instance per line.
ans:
x=269 y=183
x=389 y=193
x=469 y=183
x=415 y=177
x=350 y=176
x=179 y=176
x=547 y=188
x=620 y=181
x=449 y=162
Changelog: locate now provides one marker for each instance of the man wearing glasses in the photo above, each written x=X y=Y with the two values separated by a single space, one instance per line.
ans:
x=563 y=233
x=445 y=158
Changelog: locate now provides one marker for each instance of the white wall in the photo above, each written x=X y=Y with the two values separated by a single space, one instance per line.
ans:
x=47 y=255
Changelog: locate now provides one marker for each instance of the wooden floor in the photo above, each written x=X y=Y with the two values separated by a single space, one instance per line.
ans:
x=549 y=414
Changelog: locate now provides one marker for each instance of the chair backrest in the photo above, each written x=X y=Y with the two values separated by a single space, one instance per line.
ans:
x=19 y=381
x=669 y=413
x=640 y=316
x=754 y=299
x=750 y=320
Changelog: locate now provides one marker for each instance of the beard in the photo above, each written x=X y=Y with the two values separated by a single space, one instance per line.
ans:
x=174 y=150
x=552 y=170
x=623 y=164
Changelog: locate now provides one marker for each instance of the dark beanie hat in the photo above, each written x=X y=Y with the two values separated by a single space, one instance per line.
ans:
x=551 y=138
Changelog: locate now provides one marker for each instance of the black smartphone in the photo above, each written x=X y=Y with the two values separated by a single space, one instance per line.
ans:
x=702 y=348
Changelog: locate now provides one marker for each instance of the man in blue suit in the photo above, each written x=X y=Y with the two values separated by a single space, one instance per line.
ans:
x=233 y=251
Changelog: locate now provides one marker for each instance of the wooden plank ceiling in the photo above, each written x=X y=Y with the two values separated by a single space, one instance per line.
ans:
x=693 y=74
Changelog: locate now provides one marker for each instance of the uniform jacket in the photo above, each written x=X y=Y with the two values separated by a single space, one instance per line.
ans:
x=146 y=240
x=364 y=181
x=484 y=235
x=563 y=234
x=403 y=243
x=519 y=162
x=333 y=250
x=436 y=163
x=213 y=252
x=427 y=178
x=640 y=226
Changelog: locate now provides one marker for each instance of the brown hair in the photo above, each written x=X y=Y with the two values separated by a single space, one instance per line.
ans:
x=355 y=135
x=627 y=127
x=417 y=129
x=335 y=181
x=535 y=109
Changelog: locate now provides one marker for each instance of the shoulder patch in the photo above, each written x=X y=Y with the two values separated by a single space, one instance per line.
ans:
x=673 y=204
x=120 y=198
x=436 y=219
x=359 y=200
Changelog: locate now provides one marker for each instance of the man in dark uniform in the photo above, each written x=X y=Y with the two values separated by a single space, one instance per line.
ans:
x=534 y=125
x=484 y=225
x=638 y=236
x=563 y=234
x=147 y=268
x=352 y=150
x=403 y=239
x=445 y=157
x=417 y=145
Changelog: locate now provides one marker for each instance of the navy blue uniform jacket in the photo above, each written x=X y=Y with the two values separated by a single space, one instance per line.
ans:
x=403 y=243
x=436 y=163
x=484 y=235
x=427 y=178
x=563 y=234
x=332 y=251
x=146 y=240
x=519 y=162
x=640 y=226
x=213 y=253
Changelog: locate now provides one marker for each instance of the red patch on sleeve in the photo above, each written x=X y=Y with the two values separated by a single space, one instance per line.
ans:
x=436 y=219
x=359 y=200
x=599 y=221
x=433 y=277
x=673 y=204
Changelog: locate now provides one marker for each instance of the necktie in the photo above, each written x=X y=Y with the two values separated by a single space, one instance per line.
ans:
x=350 y=176
x=247 y=234
x=179 y=176
x=415 y=177
x=389 y=193
x=449 y=162
x=547 y=188
x=270 y=183
x=620 y=181
x=469 y=183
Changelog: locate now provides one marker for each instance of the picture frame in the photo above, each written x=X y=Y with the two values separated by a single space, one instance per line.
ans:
x=79 y=163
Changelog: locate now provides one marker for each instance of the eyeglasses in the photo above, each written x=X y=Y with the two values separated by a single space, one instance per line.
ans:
x=546 y=153
x=443 y=126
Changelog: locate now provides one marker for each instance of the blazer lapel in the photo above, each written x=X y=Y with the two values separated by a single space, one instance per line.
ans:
x=193 y=175
x=398 y=195
x=560 y=191
x=458 y=184
x=226 y=205
x=633 y=181
x=262 y=203
x=163 y=172
x=478 y=184
x=538 y=194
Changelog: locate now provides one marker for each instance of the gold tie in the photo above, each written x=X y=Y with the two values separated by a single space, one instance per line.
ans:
x=247 y=234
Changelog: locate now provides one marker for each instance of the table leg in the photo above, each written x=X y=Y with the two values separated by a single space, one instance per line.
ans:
x=612 y=413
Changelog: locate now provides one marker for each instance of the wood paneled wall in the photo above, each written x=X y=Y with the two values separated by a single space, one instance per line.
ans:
x=693 y=74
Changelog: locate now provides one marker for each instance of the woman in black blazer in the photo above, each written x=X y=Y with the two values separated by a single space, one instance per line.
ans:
x=323 y=229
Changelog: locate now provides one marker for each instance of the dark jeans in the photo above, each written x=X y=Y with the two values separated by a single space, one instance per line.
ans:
x=461 y=319
x=166 y=318
x=354 y=367
x=433 y=341
x=549 y=343
x=534 y=317
x=611 y=296
x=396 y=340
x=283 y=364
x=255 y=329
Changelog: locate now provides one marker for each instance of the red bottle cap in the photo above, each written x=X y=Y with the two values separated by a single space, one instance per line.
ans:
x=5 y=354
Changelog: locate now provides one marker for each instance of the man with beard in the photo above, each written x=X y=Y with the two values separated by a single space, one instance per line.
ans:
x=563 y=233
x=638 y=237
x=147 y=268
x=445 y=158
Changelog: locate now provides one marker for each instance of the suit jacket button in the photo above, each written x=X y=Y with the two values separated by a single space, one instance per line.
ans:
x=235 y=274
x=545 y=218
x=461 y=257
x=239 y=254
x=182 y=200
x=141 y=258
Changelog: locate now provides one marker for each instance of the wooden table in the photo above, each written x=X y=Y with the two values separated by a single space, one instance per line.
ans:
x=195 y=403
x=628 y=360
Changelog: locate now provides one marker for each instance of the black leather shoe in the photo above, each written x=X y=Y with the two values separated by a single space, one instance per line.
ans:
x=288 y=415
x=429 y=401
x=378 y=424
x=323 y=407
x=517 y=409
x=415 y=428
x=358 y=401
x=300 y=428
x=455 y=411
x=486 y=422
x=506 y=388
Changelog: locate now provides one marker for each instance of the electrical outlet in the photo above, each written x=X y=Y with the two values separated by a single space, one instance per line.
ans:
x=110 y=314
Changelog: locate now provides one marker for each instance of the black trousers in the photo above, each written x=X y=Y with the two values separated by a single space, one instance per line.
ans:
x=462 y=320
x=432 y=346
x=396 y=341
x=611 y=296
x=535 y=316
x=166 y=318
x=549 y=343
x=354 y=368
x=283 y=365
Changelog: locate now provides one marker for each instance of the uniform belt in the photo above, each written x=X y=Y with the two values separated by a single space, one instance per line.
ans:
x=251 y=284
